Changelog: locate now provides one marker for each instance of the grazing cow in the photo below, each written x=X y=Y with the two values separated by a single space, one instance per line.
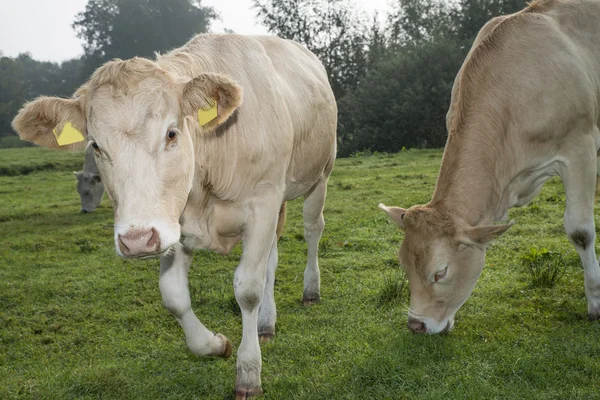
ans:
x=89 y=183
x=188 y=165
x=525 y=107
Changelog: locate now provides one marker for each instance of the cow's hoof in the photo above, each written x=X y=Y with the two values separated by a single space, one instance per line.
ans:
x=242 y=394
x=228 y=350
x=309 y=301
x=594 y=316
x=265 y=337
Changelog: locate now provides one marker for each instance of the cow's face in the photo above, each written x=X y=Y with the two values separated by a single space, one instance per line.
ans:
x=90 y=189
x=443 y=258
x=142 y=123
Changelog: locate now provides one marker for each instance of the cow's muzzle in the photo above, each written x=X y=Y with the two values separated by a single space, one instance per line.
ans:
x=418 y=326
x=139 y=243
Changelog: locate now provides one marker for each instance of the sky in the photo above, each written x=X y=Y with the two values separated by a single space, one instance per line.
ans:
x=43 y=27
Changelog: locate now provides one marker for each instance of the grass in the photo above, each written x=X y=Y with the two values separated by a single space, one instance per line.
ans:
x=394 y=289
x=76 y=322
x=544 y=266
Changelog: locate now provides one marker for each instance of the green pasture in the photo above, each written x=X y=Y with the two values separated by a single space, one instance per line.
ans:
x=77 y=322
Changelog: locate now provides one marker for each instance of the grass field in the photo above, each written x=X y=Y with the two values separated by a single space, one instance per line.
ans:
x=77 y=322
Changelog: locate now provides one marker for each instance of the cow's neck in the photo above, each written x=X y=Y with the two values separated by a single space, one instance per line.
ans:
x=469 y=185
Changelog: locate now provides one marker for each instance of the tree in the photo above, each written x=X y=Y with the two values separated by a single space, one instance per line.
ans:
x=413 y=21
x=332 y=29
x=470 y=15
x=128 y=28
x=22 y=78
x=12 y=82
x=403 y=101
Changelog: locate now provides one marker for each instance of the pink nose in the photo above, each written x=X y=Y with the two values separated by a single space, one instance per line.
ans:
x=416 y=326
x=139 y=242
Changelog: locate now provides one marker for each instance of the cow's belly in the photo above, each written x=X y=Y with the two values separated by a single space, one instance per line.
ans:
x=527 y=185
x=293 y=190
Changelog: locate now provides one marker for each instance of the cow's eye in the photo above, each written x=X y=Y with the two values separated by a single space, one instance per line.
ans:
x=440 y=274
x=171 y=134
x=95 y=146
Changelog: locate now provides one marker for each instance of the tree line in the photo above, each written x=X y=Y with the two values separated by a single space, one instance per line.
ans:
x=392 y=74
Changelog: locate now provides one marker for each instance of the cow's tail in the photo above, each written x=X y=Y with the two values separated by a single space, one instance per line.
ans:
x=281 y=220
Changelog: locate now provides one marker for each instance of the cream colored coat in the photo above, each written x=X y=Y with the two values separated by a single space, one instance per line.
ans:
x=176 y=185
x=525 y=107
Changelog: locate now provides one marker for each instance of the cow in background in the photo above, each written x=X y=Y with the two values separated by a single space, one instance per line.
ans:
x=89 y=183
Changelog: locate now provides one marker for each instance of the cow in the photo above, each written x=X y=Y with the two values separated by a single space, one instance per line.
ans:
x=89 y=183
x=525 y=106
x=199 y=148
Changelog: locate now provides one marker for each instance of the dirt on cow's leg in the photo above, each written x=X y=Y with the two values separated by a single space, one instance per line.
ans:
x=267 y=314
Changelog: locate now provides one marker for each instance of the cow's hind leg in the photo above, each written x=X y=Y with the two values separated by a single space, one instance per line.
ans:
x=579 y=179
x=314 y=223
x=173 y=285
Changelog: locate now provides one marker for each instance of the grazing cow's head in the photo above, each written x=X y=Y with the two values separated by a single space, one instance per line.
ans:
x=142 y=123
x=443 y=258
x=90 y=189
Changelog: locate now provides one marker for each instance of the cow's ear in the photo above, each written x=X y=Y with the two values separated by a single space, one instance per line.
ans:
x=211 y=99
x=482 y=235
x=52 y=122
x=396 y=214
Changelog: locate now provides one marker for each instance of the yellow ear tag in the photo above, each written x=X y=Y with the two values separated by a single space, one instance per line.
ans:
x=68 y=135
x=207 y=115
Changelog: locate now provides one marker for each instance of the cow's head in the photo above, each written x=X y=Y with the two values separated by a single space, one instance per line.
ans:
x=443 y=258
x=90 y=189
x=142 y=123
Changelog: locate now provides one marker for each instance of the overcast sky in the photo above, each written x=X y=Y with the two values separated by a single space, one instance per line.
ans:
x=43 y=27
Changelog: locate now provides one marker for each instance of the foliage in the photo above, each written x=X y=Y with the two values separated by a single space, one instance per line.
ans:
x=392 y=82
x=76 y=321
x=12 y=92
x=470 y=15
x=402 y=102
x=23 y=78
x=417 y=21
x=111 y=29
x=128 y=28
x=332 y=29
x=545 y=267
x=12 y=141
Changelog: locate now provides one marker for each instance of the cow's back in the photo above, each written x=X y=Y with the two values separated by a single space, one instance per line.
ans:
x=533 y=73
x=310 y=101
x=579 y=21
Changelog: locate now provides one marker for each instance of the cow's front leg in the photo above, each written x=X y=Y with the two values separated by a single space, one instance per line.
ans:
x=579 y=179
x=173 y=285
x=267 y=314
x=249 y=285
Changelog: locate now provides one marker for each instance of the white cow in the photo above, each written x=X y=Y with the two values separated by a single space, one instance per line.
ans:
x=188 y=164
x=525 y=107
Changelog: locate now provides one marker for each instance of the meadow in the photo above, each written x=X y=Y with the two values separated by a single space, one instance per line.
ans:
x=77 y=322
